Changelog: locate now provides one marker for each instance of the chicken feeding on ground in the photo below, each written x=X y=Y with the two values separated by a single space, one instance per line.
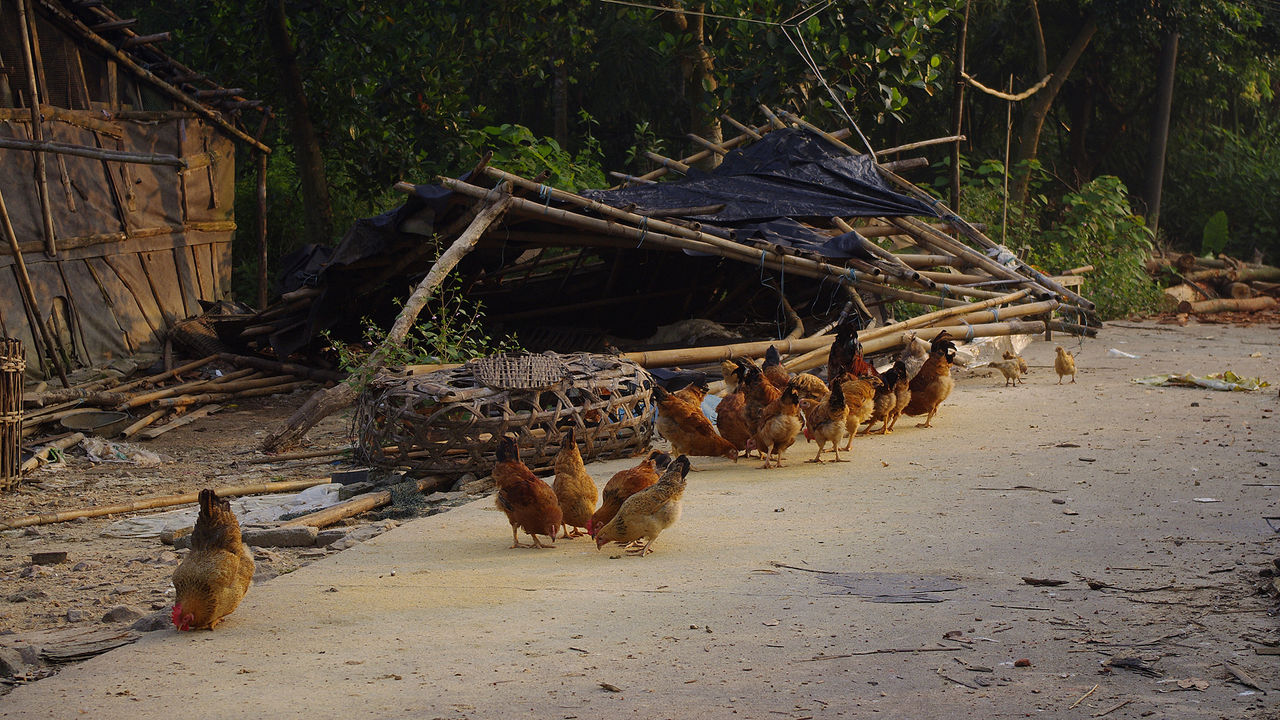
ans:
x=1022 y=364
x=891 y=398
x=624 y=484
x=859 y=398
x=845 y=358
x=914 y=352
x=646 y=513
x=575 y=490
x=731 y=413
x=933 y=383
x=1009 y=369
x=687 y=429
x=529 y=503
x=779 y=425
x=827 y=422
x=215 y=575
x=1064 y=364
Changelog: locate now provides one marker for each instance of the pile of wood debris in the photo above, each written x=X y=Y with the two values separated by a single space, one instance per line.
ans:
x=1217 y=289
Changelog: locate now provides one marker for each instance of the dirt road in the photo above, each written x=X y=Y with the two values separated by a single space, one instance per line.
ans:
x=889 y=586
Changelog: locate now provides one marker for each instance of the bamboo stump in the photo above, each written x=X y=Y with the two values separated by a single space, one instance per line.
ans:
x=326 y=402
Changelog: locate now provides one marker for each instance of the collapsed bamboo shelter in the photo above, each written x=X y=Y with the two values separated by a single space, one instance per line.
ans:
x=116 y=184
x=790 y=232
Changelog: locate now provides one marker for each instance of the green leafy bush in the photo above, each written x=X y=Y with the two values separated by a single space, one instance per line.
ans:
x=1094 y=225
x=1097 y=227
x=453 y=333
x=516 y=149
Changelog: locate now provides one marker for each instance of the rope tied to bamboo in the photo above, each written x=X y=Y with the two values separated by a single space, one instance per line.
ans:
x=644 y=230
x=968 y=336
x=544 y=192
x=995 y=314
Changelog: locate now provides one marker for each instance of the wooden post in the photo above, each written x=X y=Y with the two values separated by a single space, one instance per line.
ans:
x=29 y=297
x=325 y=402
x=29 y=50
x=957 y=108
x=262 y=231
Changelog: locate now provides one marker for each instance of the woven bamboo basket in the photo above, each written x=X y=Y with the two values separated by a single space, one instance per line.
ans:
x=449 y=422
x=12 y=365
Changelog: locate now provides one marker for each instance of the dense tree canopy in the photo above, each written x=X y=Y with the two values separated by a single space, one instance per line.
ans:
x=405 y=90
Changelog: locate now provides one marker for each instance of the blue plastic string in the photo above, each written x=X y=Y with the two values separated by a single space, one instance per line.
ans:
x=544 y=192
x=644 y=230
x=968 y=337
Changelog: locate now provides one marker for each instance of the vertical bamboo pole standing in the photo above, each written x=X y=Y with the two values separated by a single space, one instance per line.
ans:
x=37 y=128
x=262 y=231
x=29 y=295
x=11 y=367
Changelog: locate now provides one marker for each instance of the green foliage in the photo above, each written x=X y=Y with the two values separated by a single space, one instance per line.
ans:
x=1097 y=227
x=1236 y=173
x=516 y=149
x=1215 y=234
x=1092 y=226
x=455 y=332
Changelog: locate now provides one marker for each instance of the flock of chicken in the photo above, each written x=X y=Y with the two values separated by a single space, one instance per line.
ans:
x=766 y=410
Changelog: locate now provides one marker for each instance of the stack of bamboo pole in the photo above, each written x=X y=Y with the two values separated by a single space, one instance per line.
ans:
x=169 y=396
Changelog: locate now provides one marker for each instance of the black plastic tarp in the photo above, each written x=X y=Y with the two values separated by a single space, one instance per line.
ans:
x=767 y=189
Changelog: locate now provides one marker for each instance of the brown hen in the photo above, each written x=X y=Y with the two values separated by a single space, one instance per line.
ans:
x=529 y=503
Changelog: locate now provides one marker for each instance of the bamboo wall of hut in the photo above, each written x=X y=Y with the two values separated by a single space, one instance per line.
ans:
x=117 y=183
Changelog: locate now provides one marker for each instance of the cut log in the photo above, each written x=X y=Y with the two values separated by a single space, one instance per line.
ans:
x=1205 y=307
x=326 y=402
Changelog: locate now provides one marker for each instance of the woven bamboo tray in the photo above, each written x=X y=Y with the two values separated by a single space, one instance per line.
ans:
x=449 y=421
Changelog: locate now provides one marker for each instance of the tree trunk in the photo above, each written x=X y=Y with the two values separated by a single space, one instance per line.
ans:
x=1038 y=106
x=560 y=103
x=326 y=402
x=306 y=146
x=1160 y=129
x=697 y=68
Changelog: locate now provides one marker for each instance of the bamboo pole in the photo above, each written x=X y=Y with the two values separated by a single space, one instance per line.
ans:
x=29 y=296
x=716 y=353
x=667 y=162
x=903 y=269
x=184 y=400
x=704 y=154
x=153 y=379
x=282 y=367
x=41 y=455
x=144 y=422
x=262 y=231
x=360 y=504
x=325 y=402
x=645 y=221
x=933 y=317
x=187 y=419
x=49 y=146
x=30 y=49
x=71 y=23
x=741 y=128
x=922 y=143
x=962 y=332
x=1033 y=275
x=717 y=149
x=771 y=258
x=161 y=502
x=148 y=397
x=300 y=455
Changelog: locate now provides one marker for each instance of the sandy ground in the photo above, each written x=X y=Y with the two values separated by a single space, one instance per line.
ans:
x=784 y=593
